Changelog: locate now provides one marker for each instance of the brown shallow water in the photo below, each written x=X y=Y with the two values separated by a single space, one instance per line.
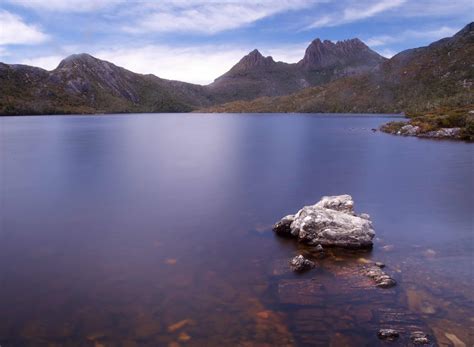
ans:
x=155 y=230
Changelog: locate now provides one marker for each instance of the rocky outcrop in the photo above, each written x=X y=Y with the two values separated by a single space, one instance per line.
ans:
x=331 y=222
x=398 y=128
x=300 y=264
x=409 y=130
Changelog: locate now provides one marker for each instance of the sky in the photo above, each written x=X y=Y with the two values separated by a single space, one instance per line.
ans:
x=197 y=41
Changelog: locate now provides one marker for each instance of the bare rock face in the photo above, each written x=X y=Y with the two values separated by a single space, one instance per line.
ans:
x=300 y=264
x=330 y=222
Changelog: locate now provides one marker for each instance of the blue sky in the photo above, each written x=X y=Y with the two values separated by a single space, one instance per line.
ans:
x=196 y=41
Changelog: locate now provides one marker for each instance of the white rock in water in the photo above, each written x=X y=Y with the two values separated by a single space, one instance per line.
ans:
x=330 y=222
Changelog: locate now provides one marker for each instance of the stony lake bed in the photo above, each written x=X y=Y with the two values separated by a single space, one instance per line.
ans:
x=156 y=230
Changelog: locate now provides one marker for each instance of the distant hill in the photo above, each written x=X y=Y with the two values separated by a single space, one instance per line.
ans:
x=415 y=80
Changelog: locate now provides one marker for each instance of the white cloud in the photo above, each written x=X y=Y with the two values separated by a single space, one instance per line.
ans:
x=438 y=8
x=66 y=5
x=430 y=34
x=354 y=14
x=49 y=62
x=197 y=64
x=209 y=17
x=381 y=40
x=351 y=13
x=13 y=30
x=387 y=52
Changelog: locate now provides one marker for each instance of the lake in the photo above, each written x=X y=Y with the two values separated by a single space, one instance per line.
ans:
x=155 y=230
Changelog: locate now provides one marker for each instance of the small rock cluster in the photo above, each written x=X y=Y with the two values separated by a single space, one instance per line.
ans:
x=416 y=337
x=443 y=132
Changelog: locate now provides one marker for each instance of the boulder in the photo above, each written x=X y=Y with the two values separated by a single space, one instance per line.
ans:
x=388 y=334
x=300 y=264
x=330 y=222
x=409 y=130
x=419 y=338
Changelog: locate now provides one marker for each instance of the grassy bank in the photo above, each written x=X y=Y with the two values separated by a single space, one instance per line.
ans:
x=428 y=124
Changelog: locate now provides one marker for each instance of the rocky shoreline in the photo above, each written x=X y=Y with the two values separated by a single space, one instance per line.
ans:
x=415 y=130
x=457 y=124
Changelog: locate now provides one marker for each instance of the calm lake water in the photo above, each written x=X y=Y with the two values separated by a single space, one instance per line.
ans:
x=155 y=230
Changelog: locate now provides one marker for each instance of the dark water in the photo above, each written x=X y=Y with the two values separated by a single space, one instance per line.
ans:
x=155 y=230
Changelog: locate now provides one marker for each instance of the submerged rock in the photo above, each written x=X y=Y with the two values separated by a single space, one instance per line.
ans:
x=283 y=227
x=319 y=252
x=330 y=222
x=388 y=334
x=381 y=279
x=300 y=264
x=419 y=338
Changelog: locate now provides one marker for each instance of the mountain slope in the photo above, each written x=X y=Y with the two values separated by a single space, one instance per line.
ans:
x=415 y=80
x=84 y=84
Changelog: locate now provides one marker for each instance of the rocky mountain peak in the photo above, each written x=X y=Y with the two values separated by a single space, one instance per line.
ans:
x=467 y=31
x=78 y=59
x=253 y=60
x=323 y=54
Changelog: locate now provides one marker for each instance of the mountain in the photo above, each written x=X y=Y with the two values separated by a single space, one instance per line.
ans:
x=84 y=84
x=415 y=80
x=255 y=75
x=346 y=76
